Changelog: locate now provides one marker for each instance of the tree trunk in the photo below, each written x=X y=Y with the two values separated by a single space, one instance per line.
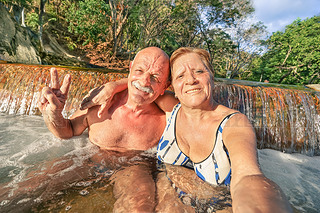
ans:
x=23 y=24
x=41 y=13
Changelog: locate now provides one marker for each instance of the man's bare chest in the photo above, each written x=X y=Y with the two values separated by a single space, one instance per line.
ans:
x=127 y=132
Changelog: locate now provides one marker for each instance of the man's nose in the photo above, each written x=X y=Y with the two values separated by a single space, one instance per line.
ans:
x=145 y=80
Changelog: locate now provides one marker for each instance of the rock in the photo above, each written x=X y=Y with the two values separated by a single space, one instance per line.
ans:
x=15 y=43
x=314 y=86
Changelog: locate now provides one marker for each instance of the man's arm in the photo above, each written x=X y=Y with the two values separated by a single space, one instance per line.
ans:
x=167 y=101
x=251 y=191
x=51 y=105
x=103 y=95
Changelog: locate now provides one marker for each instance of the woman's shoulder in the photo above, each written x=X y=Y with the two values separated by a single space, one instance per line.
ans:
x=225 y=111
x=235 y=117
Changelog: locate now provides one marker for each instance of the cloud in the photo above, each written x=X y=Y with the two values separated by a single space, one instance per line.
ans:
x=277 y=14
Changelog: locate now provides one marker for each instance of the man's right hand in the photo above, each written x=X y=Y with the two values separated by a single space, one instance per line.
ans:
x=103 y=95
x=53 y=98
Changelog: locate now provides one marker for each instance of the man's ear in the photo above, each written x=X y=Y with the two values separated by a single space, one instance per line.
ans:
x=130 y=65
x=168 y=83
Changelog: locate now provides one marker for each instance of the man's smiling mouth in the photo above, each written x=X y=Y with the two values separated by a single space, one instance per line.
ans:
x=137 y=85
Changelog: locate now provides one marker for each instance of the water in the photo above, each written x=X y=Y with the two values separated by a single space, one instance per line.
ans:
x=297 y=175
x=42 y=173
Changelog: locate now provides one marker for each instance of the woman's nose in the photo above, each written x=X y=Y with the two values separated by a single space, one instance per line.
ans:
x=190 y=78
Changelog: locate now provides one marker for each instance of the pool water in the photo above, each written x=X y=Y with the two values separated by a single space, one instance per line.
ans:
x=41 y=173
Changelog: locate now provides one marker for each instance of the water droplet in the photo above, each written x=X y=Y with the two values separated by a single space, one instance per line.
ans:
x=84 y=192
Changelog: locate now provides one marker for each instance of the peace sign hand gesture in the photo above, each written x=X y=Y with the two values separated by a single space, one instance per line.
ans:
x=53 y=98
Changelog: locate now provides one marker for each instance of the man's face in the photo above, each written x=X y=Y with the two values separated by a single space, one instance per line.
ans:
x=148 y=76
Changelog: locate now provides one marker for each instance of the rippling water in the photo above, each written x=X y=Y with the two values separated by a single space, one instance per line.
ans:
x=42 y=173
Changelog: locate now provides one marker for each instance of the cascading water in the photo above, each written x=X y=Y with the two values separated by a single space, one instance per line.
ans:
x=284 y=119
x=20 y=87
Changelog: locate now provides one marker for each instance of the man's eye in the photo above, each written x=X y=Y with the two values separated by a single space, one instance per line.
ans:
x=199 y=71
x=155 y=78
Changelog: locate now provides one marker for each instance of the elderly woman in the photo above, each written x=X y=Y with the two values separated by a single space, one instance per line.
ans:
x=219 y=142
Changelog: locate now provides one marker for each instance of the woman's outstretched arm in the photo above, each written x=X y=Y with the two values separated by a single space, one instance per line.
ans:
x=251 y=191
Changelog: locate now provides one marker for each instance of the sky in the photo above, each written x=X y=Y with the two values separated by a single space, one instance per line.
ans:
x=276 y=14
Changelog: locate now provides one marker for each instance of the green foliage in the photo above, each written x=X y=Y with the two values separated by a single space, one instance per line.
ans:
x=32 y=20
x=23 y=3
x=294 y=55
x=71 y=45
x=122 y=27
x=88 y=19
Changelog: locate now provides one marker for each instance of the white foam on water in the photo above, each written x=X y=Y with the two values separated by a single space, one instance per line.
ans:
x=296 y=174
x=25 y=142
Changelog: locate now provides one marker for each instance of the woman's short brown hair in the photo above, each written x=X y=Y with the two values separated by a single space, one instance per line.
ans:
x=204 y=55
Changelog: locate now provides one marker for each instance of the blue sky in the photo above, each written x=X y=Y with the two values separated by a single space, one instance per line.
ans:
x=276 y=14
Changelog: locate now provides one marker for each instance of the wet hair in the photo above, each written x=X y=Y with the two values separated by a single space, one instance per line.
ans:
x=203 y=54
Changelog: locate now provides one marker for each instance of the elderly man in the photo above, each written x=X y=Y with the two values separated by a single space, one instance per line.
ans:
x=132 y=122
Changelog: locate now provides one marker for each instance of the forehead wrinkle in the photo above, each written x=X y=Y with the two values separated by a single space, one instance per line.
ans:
x=182 y=63
x=152 y=63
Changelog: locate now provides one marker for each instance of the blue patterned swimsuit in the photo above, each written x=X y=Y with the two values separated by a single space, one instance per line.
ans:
x=215 y=169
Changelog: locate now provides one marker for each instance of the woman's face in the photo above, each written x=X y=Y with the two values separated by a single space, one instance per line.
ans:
x=192 y=81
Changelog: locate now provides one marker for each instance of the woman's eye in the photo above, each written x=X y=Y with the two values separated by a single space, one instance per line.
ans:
x=179 y=76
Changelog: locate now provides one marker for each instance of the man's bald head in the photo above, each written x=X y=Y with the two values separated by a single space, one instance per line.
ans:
x=152 y=50
x=156 y=55
x=149 y=73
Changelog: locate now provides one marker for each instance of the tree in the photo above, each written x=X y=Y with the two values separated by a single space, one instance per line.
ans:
x=163 y=23
x=224 y=33
x=246 y=35
x=293 y=56
x=17 y=7
x=89 y=20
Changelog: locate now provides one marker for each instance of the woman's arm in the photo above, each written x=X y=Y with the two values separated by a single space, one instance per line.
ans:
x=251 y=191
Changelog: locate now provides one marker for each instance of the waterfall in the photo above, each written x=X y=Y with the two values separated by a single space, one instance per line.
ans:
x=21 y=85
x=284 y=119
